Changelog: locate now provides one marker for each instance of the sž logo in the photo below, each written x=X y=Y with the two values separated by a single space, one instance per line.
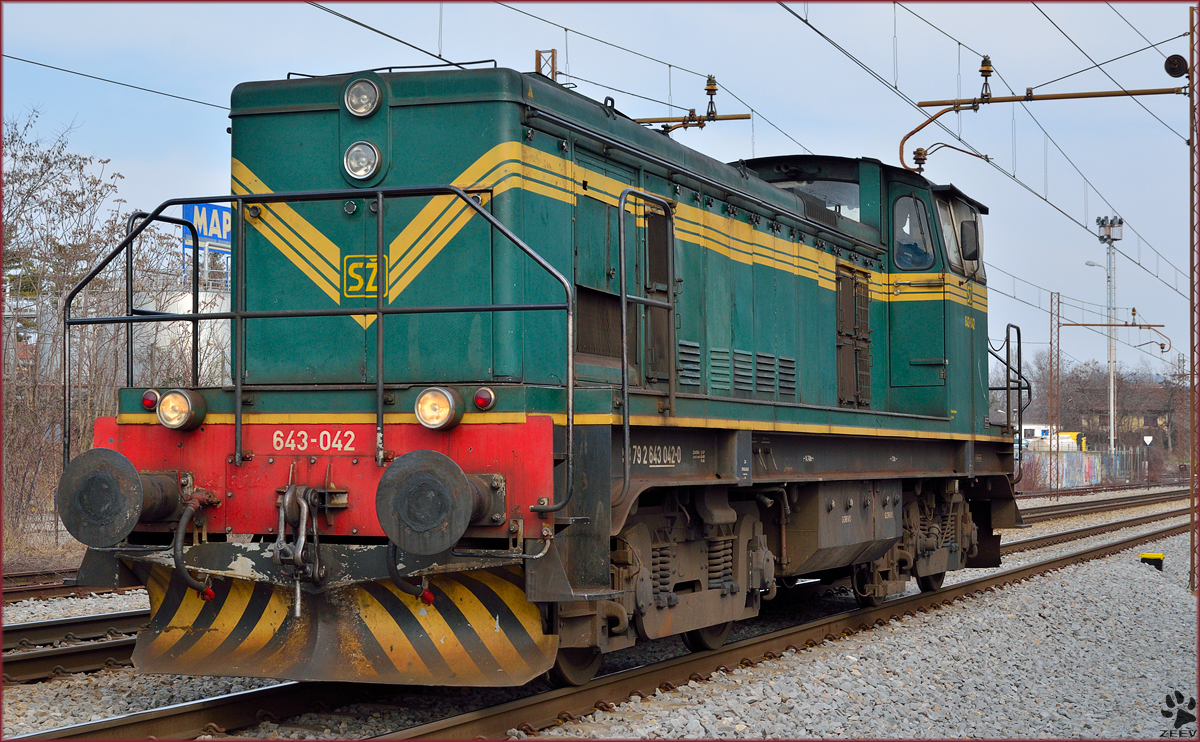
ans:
x=1174 y=707
x=359 y=275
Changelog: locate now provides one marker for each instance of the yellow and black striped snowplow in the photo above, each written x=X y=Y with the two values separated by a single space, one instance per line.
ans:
x=479 y=631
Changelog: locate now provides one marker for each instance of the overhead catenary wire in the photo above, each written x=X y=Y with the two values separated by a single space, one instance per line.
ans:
x=1087 y=181
x=600 y=41
x=1136 y=31
x=331 y=11
x=1114 y=59
x=1090 y=329
x=116 y=82
x=669 y=65
x=623 y=92
x=1110 y=77
x=866 y=68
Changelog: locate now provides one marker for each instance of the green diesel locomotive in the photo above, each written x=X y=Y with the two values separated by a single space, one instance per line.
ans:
x=516 y=381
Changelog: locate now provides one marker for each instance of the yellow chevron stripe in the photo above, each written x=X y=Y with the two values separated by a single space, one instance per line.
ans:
x=273 y=230
x=317 y=242
x=516 y=165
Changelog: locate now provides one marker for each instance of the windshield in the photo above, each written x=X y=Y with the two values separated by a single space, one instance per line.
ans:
x=839 y=196
x=912 y=247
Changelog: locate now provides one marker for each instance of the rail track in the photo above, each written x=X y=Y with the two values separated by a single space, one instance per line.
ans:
x=34 y=650
x=1068 y=509
x=1095 y=489
x=49 y=584
x=239 y=710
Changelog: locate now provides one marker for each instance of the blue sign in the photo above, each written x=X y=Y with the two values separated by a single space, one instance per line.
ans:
x=213 y=223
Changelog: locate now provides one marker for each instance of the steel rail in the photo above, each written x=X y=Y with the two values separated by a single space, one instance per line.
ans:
x=538 y=712
x=1066 y=510
x=1092 y=489
x=38 y=664
x=18 y=593
x=34 y=633
x=1063 y=536
x=206 y=716
x=37 y=576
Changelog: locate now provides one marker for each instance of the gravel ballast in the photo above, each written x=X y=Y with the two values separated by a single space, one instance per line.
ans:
x=1088 y=651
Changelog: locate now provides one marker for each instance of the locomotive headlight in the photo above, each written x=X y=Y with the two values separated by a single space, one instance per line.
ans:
x=181 y=409
x=362 y=97
x=361 y=160
x=438 y=408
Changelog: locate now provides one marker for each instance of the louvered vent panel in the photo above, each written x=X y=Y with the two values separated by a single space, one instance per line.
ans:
x=743 y=371
x=689 y=363
x=787 y=377
x=764 y=374
x=719 y=373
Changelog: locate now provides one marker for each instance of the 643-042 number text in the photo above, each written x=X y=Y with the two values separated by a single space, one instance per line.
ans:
x=302 y=440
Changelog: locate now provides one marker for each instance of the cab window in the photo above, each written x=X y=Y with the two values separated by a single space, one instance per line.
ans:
x=950 y=233
x=839 y=196
x=966 y=213
x=911 y=246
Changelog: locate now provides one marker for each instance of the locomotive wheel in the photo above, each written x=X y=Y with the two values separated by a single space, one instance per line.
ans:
x=710 y=637
x=574 y=666
x=862 y=575
x=931 y=583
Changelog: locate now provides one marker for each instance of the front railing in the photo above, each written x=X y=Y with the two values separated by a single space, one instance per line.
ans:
x=239 y=314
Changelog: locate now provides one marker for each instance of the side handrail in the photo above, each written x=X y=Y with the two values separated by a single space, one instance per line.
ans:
x=239 y=314
x=1014 y=382
x=668 y=305
x=131 y=233
x=129 y=310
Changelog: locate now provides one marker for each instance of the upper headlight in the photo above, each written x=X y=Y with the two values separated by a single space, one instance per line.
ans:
x=439 y=408
x=361 y=160
x=362 y=97
x=181 y=409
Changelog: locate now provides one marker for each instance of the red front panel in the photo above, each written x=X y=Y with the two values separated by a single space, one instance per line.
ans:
x=344 y=455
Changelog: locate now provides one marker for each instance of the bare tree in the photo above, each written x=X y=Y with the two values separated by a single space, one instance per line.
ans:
x=61 y=216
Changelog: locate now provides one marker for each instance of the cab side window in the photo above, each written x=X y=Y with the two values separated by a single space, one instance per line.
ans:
x=911 y=245
x=950 y=235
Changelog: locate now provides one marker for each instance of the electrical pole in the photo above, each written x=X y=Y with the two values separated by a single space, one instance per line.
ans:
x=1054 y=404
x=1109 y=230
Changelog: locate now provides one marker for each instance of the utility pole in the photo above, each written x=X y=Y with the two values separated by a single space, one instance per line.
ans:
x=1110 y=229
x=1054 y=404
x=1194 y=252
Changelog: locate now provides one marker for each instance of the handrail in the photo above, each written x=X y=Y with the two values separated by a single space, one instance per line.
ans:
x=131 y=233
x=195 y=294
x=1014 y=381
x=239 y=315
x=668 y=305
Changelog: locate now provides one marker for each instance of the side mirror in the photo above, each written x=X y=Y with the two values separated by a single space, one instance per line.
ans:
x=970 y=240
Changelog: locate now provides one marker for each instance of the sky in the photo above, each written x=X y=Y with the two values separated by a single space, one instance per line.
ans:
x=1047 y=182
